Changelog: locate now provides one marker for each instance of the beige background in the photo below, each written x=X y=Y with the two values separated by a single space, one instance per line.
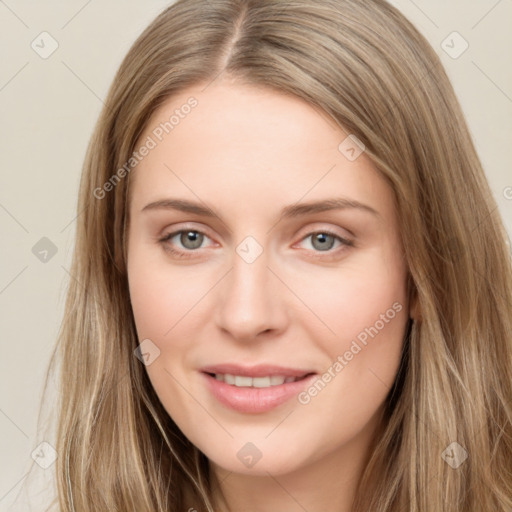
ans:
x=47 y=110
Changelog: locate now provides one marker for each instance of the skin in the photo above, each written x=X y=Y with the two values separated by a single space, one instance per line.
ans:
x=246 y=153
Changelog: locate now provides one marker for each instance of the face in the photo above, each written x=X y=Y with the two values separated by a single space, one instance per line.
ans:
x=258 y=249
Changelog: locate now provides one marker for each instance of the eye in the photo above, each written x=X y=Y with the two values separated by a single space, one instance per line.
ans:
x=324 y=241
x=190 y=240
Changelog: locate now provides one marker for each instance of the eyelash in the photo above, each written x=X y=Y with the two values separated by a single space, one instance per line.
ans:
x=190 y=252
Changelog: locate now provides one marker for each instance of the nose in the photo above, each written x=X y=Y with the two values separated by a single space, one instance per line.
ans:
x=251 y=301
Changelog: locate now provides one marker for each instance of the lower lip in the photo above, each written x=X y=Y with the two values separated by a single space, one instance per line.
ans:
x=255 y=400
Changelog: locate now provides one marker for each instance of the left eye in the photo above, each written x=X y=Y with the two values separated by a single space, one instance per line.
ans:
x=324 y=241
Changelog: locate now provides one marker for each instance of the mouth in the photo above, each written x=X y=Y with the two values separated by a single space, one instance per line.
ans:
x=257 y=389
x=244 y=381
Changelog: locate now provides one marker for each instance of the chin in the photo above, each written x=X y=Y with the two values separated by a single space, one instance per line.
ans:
x=256 y=460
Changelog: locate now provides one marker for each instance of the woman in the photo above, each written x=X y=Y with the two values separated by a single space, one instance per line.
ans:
x=216 y=353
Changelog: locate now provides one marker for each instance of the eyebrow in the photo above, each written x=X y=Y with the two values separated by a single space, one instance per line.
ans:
x=291 y=211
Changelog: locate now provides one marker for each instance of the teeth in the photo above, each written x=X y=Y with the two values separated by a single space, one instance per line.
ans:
x=265 y=382
x=243 y=381
x=229 y=379
x=257 y=382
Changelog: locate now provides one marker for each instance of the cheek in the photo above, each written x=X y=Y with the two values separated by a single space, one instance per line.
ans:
x=163 y=302
x=374 y=309
x=161 y=295
x=152 y=301
x=353 y=297
x=365 y=307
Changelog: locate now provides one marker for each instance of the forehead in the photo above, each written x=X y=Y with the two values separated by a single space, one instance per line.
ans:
x=254 y=144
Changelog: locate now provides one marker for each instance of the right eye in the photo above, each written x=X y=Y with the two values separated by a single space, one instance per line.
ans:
x=190 y=240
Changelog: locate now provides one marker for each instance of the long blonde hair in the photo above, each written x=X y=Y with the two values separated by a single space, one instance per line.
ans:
x=377 y=77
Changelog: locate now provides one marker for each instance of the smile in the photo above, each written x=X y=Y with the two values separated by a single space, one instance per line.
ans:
x=254 y=395
x=243 y=381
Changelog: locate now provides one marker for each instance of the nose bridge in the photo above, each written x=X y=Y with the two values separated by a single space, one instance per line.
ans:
x=250 y=301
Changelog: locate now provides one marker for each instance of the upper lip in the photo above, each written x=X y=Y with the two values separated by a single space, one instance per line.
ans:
x=260 y=370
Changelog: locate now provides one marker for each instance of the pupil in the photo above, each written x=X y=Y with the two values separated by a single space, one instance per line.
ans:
x=192 y=237
x=322 y=237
